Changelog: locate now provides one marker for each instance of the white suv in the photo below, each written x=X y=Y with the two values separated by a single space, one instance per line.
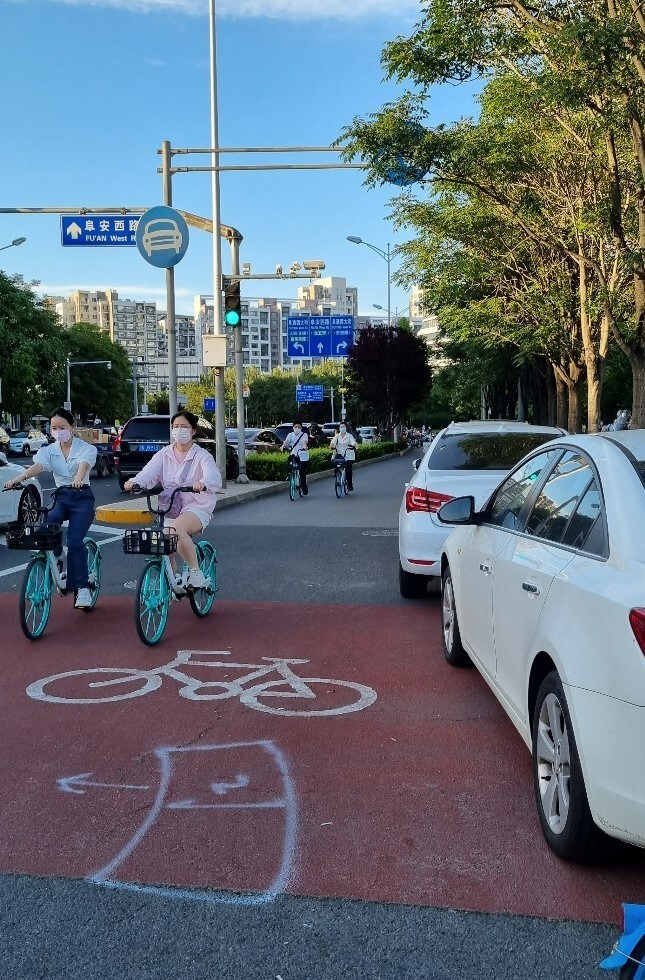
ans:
x=464 y=458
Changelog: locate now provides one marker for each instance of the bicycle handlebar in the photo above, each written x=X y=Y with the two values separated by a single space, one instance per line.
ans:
x=155 y=491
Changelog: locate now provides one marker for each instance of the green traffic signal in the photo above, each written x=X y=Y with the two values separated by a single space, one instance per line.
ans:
x=232 y=302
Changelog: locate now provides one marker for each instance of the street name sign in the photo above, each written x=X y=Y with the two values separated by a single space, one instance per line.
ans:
x=99 y=229
x=309 y=393
x=209 y=404
x=319 y=336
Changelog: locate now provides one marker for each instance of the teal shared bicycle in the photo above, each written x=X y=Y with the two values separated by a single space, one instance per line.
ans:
x=157 y=584
x=43 y=574
x=294 y=477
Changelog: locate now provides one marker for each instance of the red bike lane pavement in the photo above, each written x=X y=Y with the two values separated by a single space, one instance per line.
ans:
x=400 y=781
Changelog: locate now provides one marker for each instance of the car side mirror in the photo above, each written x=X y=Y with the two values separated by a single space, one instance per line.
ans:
x=416 y=464
x=461 y=510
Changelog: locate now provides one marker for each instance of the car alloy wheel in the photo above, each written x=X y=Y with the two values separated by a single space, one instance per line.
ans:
x=26 y=449
x=28 y=506
x=453 y=649
x=560 y=793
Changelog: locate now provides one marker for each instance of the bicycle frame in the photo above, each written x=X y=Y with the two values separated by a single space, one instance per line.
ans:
x=633 y=936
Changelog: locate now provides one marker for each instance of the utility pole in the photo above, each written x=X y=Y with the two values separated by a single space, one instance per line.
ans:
x=135 y=384
x=166 y=158
x=239 y=373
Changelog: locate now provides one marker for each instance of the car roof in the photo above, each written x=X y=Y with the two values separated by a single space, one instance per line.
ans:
x=493 y=426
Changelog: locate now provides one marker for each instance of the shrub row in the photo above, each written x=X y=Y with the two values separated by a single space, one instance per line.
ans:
x=273 y=466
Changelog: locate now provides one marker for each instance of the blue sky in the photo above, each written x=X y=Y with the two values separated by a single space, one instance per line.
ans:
x=91 y=89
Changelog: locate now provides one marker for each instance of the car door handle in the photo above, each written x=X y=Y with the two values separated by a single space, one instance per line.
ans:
x=485 y=567
x=533 y=589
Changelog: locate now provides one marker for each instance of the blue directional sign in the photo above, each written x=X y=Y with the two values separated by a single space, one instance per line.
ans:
x=309 y=393
x=319 y=336
x=209 y=404
x=162 y=236
x=99 y=229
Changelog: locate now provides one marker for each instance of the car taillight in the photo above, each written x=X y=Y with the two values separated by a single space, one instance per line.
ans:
x=116 y=445
x=417 y=498
x=637 y=623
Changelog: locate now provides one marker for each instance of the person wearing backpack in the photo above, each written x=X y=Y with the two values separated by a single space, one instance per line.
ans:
x=297 y=442
x=184 y=463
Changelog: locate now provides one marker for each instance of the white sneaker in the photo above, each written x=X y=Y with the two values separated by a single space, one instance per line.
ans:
x=197 y=579
x=83 y=599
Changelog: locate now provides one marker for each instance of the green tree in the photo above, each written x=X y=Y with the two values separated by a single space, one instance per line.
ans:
x=389 y=372
x=33 y=356
x=94 y=389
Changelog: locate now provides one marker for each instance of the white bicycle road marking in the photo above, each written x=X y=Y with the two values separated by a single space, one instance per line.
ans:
x=195 y=689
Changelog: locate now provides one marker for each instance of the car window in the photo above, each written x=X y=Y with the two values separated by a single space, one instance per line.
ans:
x=505 y=508
x=154 y=429
x=559 y=497
x=484 y=450
x=586 y=529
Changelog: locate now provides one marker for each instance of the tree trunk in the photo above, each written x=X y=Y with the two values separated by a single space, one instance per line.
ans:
x=594 y=388
x=574 y=417
x=562 y=400
x=637 y=362
x=551 y=397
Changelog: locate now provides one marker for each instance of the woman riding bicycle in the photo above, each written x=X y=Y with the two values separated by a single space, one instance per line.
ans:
x=69 y=460
x=297 y=442
x=344 y=444
x=184 y=463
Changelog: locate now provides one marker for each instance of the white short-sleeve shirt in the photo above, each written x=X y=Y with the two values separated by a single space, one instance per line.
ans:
x=64 y=470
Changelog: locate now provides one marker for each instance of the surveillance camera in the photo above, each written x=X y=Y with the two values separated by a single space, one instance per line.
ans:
x=246 y=269
x=295 y=267
x=314 y=264
x=278 y=270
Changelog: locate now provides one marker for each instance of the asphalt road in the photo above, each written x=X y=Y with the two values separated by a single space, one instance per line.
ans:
x=395 y=839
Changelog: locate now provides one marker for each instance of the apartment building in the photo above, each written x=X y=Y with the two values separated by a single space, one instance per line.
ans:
x=189 y=355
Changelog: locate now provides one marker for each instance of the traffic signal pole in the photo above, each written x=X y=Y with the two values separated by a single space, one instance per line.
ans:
x=239 y=373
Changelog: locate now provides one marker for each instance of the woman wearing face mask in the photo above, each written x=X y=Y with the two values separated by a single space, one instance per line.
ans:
x=184 y=463
x=69 y=460
x=343 y=444
x=297 y=442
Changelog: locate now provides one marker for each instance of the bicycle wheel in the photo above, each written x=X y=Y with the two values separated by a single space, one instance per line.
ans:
x=125 y=675
x=292 y=484
x=36 y=597
x=153 y=599
x=201 y=600
x=338 y=482
x=93 y=569
x=251 y=697
x=345 y=484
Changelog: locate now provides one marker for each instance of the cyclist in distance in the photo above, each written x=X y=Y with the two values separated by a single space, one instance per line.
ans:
x=184 y=463
x=344 y=444
x=69 y=460
x=297 y=442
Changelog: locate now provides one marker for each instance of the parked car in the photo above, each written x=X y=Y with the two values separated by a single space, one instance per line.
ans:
x=465 y=457
x=143 y=435
x=18 y=505
x=368 y=433
x=543 y=591
x=256 y=440
x=104 y=464
x=315 y=432
x=27 y=441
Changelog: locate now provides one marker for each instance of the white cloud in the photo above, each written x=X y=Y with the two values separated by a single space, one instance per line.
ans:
x=272 y=9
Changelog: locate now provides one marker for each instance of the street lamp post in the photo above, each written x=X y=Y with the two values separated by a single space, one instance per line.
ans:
x=396 y=312
x=16 y=241
x=384 y=255
x=69 y=364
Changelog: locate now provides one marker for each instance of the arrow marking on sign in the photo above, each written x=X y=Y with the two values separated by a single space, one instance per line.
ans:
x=301 y=346
x=70 y=784
x=343 y=344
x=74 y=230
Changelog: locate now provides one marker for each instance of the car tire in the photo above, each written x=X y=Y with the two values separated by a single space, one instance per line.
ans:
x=101 y=467
x=26 y=450
x=412 y=586
x=563 y=807
x=453 y=649
x=28 y=506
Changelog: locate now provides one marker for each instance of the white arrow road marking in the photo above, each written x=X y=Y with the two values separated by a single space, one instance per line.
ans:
x=70 y=784
x=192 y=805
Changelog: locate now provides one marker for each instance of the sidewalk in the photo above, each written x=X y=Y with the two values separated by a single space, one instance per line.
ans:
x=134 y=511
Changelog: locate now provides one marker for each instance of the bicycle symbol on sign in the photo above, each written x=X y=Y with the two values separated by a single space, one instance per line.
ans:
x=275 y=697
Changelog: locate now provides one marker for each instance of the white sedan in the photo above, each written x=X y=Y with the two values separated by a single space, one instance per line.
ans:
x=22 y=504
x=465 y=457
x=544 y=592
x=27 y=442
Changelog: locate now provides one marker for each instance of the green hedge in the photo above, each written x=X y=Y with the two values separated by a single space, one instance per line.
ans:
x=273 y=466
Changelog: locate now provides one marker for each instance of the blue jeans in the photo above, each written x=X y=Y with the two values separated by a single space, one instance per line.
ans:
x=77 y=507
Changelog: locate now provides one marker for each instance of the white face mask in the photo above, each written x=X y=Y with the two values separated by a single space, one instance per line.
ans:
x=62 y=435
x=182 y=436
x=343 y=430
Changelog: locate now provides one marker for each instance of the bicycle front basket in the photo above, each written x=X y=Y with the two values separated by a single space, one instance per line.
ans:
x=34 y=537
x=149 y=541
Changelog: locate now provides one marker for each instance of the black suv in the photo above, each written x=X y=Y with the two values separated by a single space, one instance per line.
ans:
x=144 y=435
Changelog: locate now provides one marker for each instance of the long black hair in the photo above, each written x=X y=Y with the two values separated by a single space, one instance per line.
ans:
x=63 y=414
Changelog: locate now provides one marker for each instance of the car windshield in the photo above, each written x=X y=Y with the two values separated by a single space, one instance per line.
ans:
x=156 y=430
x=484 y=450
x=19 y=435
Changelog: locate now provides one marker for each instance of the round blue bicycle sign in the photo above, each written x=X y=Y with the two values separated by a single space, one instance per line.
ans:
x=162 y=236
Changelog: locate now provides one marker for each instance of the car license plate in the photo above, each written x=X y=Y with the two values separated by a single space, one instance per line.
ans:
x=148 y=447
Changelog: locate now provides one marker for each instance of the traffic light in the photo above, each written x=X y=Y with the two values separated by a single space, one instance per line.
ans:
x=232 y=302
